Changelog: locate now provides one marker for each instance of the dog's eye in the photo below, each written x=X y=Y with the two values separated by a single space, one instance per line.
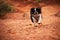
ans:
x=34 y=13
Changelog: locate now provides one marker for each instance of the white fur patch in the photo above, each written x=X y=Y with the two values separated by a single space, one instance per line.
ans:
x=40 y=18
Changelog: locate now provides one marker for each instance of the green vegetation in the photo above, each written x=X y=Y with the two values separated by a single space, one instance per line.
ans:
x=38 y=1
x=4 y=8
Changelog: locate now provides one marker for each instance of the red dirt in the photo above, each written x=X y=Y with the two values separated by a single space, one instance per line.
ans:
x=18 y=26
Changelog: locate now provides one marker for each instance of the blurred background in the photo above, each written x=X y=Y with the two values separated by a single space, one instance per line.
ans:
x=15 y=23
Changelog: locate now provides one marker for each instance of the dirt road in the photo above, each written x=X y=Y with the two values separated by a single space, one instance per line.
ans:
x=17 y=27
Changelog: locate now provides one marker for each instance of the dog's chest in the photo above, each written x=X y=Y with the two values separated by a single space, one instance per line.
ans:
x=36 y=17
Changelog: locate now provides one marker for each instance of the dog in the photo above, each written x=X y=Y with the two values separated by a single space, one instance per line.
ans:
x=36 y=15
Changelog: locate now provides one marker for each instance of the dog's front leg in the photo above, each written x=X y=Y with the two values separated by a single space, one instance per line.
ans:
x=40 y=19
x=34 y=20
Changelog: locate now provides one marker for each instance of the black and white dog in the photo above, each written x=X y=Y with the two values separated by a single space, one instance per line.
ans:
x=35 y=15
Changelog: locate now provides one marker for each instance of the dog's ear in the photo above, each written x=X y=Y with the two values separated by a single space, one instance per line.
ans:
x=38 y=10
x=32 y=11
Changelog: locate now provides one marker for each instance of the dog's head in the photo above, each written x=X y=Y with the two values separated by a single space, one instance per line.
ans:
x=35 y=11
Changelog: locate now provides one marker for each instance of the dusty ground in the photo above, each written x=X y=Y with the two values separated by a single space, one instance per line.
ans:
x=18 y=26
